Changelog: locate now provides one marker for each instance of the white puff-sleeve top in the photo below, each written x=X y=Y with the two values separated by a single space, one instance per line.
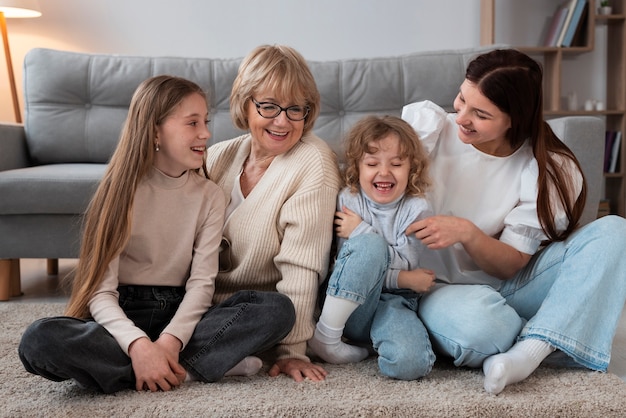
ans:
x=497 y=194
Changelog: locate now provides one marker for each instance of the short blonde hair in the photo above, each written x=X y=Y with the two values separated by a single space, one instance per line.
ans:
x=280 y=69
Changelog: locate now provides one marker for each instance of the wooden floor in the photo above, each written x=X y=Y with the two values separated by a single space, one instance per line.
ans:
x=37 y=286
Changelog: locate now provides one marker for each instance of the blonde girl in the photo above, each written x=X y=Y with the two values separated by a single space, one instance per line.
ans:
x=140 y=313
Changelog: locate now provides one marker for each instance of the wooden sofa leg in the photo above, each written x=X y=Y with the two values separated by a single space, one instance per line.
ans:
x=10 y=278
x=53 y=266
x=5 y=279
x=15 y=279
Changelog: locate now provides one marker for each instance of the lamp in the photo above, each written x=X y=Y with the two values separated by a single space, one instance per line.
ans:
x=11 y=9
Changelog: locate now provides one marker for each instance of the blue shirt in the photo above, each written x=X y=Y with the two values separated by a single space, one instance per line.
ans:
x=389 y=221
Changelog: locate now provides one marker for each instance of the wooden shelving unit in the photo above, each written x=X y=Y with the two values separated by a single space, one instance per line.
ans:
x=615 y=113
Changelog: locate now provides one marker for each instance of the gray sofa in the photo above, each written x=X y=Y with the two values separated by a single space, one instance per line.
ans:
x=75 y=104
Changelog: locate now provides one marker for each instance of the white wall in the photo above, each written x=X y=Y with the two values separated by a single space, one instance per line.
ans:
x=319 y=29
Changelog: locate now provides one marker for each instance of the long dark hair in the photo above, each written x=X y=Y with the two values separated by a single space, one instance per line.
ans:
x=513 y=82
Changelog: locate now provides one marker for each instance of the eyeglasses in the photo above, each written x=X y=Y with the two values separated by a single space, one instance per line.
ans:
x=271 y=110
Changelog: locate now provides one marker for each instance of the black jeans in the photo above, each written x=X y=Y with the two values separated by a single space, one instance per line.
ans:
x=61 y=348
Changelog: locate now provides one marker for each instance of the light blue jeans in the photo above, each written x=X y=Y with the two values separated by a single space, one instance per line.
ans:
x=388 y=320
x=571 y=294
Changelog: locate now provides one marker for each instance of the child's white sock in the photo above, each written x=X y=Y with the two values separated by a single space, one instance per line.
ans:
x=327 y=344
x=247 y=367
x=336 y=311
x=189 y=377
x=326 y=341
x=515 y=365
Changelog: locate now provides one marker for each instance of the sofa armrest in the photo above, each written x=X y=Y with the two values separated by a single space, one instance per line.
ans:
x=584 y=135
x=13 y=145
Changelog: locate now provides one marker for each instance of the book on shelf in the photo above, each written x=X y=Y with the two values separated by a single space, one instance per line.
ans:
x=608 y=144
x=574 y=23
x=612 y=144
x=580 y=35
x=571 y=5
x=556 y=25
x=615 y=152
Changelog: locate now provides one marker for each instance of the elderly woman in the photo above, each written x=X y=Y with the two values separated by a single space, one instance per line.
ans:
x=281 y=184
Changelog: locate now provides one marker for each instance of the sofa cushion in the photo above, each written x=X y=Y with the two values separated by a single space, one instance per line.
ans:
x=76 y=102
x=49 y=189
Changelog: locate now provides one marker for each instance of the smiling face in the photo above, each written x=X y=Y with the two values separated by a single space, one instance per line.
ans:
x=272 y=136
x=384 y=173
x=481 y=123
x=182 y=137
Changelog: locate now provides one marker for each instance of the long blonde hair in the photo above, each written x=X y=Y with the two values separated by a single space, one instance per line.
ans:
x=107 y=222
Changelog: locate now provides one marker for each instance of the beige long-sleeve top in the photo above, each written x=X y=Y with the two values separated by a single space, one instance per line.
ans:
x=281 y=233
x=175 y=235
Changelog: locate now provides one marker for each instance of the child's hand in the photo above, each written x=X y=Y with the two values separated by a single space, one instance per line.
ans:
x=418 y=280
x=154 y=365
x=172 y=347
x=346 y=222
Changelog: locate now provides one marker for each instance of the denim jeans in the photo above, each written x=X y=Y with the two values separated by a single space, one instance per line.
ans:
x=571 y=294
x=386 y=319
x=61 y=348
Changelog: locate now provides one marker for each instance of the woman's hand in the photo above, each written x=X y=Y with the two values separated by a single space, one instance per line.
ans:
x=346 y=221
x=491 y=255
x=298 y=370
x=437 y=232
x=156 y=363
x=418 y=280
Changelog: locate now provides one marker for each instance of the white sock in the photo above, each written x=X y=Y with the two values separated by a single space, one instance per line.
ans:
x=190 y=378
x=247 y=367
x=515 y=365
x=326 y=341
x=327 y=344
x=336 y=311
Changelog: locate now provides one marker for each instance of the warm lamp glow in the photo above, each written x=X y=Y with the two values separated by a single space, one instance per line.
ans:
x=10 y=9
x=20 y=8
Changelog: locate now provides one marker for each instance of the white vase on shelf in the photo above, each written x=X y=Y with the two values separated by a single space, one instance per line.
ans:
x=605 y=10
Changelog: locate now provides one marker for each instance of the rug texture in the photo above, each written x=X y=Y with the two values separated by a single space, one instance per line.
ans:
x=356 y=390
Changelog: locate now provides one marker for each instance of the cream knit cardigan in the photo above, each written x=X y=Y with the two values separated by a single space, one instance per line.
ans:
x=281 y=234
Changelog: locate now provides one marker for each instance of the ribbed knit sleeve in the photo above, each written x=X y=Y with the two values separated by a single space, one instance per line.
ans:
x=281 y=234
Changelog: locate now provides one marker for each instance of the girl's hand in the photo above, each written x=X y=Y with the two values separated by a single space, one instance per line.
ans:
x=346 y=221
x=418 y=280
x=155 y=365
x=172 y=346
x=298 y=370
x=437 y=232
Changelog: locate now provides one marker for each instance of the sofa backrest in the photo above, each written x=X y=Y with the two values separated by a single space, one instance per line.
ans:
x=76 y=103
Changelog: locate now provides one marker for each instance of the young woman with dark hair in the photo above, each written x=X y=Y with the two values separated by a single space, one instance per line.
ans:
x=519 y=277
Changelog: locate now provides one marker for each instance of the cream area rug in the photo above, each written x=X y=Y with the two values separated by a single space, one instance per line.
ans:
x=355 y=390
